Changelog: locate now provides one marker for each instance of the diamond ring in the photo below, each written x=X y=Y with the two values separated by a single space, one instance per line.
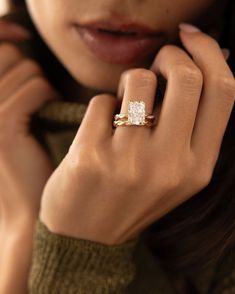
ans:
x=136 y=115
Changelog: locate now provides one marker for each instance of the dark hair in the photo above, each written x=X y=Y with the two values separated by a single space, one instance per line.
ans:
x=15 y=3
x=202 y=228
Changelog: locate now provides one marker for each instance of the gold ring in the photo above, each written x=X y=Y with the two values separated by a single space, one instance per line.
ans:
x=124 y=115
x=136 y=115
x=126 y=123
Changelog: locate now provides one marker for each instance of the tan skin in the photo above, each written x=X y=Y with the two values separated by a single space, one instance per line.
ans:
x=167 y=163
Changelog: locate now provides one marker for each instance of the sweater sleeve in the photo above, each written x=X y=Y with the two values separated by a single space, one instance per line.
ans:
x=223 y=281
x=62 y=264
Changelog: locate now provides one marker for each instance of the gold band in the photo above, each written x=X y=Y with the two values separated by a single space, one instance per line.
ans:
x=136 y=116
x=117 y=123
x=124 y=115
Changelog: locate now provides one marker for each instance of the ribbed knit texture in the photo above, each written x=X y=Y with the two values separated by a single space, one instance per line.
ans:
x=62 y=264
x=68 y=265
x=62 y=113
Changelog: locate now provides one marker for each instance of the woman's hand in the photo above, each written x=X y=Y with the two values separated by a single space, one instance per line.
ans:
x=112 y=184
x=10 y=31
x=12 y=80
x=24 y=165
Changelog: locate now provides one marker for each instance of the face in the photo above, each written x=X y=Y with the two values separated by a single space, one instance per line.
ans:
x=93 y=58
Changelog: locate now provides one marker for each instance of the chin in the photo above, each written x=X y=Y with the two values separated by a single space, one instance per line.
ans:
x=92 y=72
x=105 y=78
x=96 y=82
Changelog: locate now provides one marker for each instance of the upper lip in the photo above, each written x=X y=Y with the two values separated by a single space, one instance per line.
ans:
x=115 y=24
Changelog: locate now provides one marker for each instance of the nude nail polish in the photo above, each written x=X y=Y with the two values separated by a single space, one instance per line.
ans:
x=188 y=28
x=226 y=53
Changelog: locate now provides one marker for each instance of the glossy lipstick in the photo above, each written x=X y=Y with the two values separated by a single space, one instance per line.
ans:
x=121 y=43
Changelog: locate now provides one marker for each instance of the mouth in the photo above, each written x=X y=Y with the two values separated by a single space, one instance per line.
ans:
x=118 y=42
x=116 y=25
x=117 y=32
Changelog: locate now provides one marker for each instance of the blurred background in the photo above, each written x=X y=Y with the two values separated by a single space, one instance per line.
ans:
x=3 y=6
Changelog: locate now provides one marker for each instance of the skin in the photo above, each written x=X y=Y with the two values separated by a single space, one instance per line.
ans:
x=168 y=163
x=20 y=79
x=12 y=32
x=53 y=20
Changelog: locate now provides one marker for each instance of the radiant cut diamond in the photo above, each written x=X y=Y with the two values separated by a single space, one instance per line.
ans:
x=136 y=112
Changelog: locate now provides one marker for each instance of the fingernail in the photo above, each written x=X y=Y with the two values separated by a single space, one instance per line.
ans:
x=226 y=53
x=188 y=28
x=20 y=31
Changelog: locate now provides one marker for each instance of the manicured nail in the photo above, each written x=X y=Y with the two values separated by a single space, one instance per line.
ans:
x=226 y=53
x=188 y=28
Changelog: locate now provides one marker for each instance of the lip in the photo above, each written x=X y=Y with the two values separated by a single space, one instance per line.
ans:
x=119 y=48
x=117 y=24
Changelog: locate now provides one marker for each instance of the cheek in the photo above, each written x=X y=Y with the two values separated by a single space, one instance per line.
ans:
x=46 y=15
x=167 y=14
x=192 y=8
x=49 y=19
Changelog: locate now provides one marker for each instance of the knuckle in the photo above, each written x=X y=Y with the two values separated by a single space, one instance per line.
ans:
x=166 y=51
x=94 y=101
x=181 y=69
x=203 y=179
x=143 y=76
x=127 y=177
x=132 y=177
x=101 y=99
x=202 y=174
x=31 y=66
x=39 y=82
x=171 y=177
x=226 y=85
x=169 y=183
x=10 y=49
x=187 y=74
x=84 y=160
x=174 y=181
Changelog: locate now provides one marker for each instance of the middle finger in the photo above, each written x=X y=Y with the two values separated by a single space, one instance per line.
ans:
x=182 y=95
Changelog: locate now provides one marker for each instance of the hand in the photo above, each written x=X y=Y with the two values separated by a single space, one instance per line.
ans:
x=112 y=184
x=24 y=165
x=11 y=65
x=10 y=31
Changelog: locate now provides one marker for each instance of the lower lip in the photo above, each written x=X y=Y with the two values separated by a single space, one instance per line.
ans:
x=119 y=49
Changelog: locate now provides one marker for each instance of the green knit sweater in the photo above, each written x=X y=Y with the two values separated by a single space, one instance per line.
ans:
x=62 y=264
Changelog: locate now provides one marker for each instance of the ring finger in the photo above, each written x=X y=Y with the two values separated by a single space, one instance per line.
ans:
x=136 y=85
